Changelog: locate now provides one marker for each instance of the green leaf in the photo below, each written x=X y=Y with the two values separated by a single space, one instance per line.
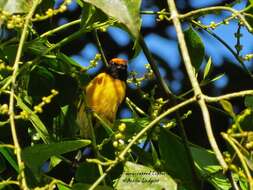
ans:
x=10 y=157
x=54 y=161
x=249 y=11
x=62 y=187
x=217 y=77
x=195 y=47
x=136 y=176
x=36 y=46
x=36 y=155
x=227 y=106
x=208 y=68
x=87 y=173
x=67 y=60
x=126 y=11
x=2 y=164
x=245 y=119
x=10 y=52
x=83 y=186
x=143 y=156
x=91 y=15
x=15 y=6
x=155 y=157
x=248 y=101
x=205 y=161
x=134 y=125
x=41 y=82
x=35 y=120
x=173 y=154
x=251 y=2
x=209 y=167
x=44 y=6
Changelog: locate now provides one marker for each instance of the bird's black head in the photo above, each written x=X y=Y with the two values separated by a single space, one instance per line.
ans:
x=117 y=68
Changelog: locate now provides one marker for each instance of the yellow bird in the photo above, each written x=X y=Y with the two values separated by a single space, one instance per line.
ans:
x=105 y=93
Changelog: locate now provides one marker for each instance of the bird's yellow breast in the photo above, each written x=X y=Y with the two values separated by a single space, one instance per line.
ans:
x=104 y=94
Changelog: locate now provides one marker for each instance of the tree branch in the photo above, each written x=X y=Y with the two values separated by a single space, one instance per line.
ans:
x=195 y=84
x=21 y=166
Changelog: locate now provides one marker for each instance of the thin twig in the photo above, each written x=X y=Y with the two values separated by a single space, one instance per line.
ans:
x=62 y=27
x=7 y=146
x=241 y=157
x=72 y=37
x=235 y=12
x=101 y=51
x=132 y=104
x=195 y=84
x=8 y=182
x=155 y=69
x=239 y=59
x=173 y=100
x=228 y=96
x=21 y=166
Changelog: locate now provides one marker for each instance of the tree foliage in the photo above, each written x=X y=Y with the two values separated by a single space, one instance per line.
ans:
x=41 y=87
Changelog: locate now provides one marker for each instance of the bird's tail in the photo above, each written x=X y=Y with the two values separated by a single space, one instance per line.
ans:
x=83 y=119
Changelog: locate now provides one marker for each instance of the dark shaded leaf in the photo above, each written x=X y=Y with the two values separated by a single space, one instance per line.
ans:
x=245 y=119
x=44 y=6
x=36 y=46
x=36 y=155
x=173 y=154
x=195 y=47
x=248 y=101
x=2 y=164
x=91 y=15
x=87 y=173
x=41 y=82
x=35 y=120
x=205 y=162
x=10 y=157
x=83 y=186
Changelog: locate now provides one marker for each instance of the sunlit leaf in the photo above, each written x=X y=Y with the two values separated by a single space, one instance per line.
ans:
x=136 y=176
x=251 y=2
x=208 y=68
x=63 y=187
x=207 y=164
x=126 y=11
x=217 y=77
x=227 y=106
x=15 y=6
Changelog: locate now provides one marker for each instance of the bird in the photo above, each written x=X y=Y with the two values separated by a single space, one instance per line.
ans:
x=104 y=94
